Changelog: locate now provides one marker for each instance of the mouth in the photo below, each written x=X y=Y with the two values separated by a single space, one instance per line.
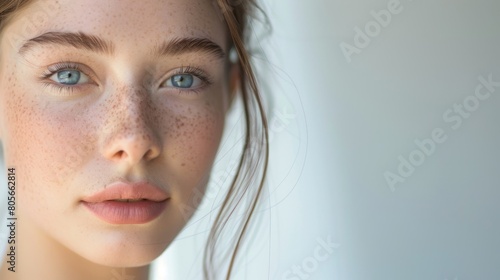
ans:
x=127 y=200
x=123 y=203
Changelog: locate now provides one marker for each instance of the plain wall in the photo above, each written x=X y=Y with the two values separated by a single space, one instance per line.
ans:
x=358 y=118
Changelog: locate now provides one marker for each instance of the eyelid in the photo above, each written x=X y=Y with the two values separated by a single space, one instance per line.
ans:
x=191 y=70
x=67 y=65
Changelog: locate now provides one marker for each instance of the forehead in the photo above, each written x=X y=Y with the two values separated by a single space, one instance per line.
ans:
x=124 y=22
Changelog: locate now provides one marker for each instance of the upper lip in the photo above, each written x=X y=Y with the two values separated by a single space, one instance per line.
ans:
x=122 y=190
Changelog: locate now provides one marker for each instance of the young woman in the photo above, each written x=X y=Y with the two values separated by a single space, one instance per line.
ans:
x=111 y=114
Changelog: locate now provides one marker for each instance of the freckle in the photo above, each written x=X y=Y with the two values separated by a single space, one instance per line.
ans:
x=183 y=164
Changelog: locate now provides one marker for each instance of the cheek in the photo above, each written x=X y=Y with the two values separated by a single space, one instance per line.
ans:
x=194 y=140
x=198 y=137
x=46 y=145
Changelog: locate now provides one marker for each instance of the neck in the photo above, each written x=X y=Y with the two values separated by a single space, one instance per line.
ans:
x=39 y=256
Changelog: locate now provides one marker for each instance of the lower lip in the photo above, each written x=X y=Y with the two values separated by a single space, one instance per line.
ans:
x=118 y=212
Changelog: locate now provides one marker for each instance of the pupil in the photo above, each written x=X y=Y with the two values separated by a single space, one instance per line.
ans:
x=69 y=77
x=182 y=81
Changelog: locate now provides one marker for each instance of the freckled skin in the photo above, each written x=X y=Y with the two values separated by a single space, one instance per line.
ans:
x=119 y=126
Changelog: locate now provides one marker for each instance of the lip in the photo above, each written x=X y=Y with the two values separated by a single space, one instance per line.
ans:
x=152 y=202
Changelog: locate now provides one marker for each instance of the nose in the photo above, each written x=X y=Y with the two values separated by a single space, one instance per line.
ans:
x=129 y=133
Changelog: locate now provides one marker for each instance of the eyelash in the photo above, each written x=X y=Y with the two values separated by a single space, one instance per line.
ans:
x=190 y=70
x=53 y=69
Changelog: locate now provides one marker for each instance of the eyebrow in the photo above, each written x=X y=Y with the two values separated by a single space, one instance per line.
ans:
x=185 y=45
x=80 y=40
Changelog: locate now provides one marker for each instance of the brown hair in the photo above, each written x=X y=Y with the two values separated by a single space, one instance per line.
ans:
x=252 y=166
x=8 y=9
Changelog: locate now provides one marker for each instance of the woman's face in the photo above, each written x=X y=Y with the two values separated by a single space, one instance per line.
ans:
x=96 y=92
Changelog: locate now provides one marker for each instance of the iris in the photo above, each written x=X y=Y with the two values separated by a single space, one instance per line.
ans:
x=182 y=80
x=68 y=77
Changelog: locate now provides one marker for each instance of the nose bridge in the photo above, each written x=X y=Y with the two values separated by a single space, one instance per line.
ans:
x=128 y=130
x=131 y=105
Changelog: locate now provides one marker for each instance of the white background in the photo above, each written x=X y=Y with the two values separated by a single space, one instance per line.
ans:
x=442 y=222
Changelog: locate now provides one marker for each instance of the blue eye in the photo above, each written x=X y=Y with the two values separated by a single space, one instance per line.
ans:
x=184 y=81
x=69 y=77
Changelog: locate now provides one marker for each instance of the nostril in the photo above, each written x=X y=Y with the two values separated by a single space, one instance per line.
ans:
x=133 y=148
x=150 y=154
x=120 y=154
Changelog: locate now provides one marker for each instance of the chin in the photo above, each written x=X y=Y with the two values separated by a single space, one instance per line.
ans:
x=122 y=249
x=123 y=257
